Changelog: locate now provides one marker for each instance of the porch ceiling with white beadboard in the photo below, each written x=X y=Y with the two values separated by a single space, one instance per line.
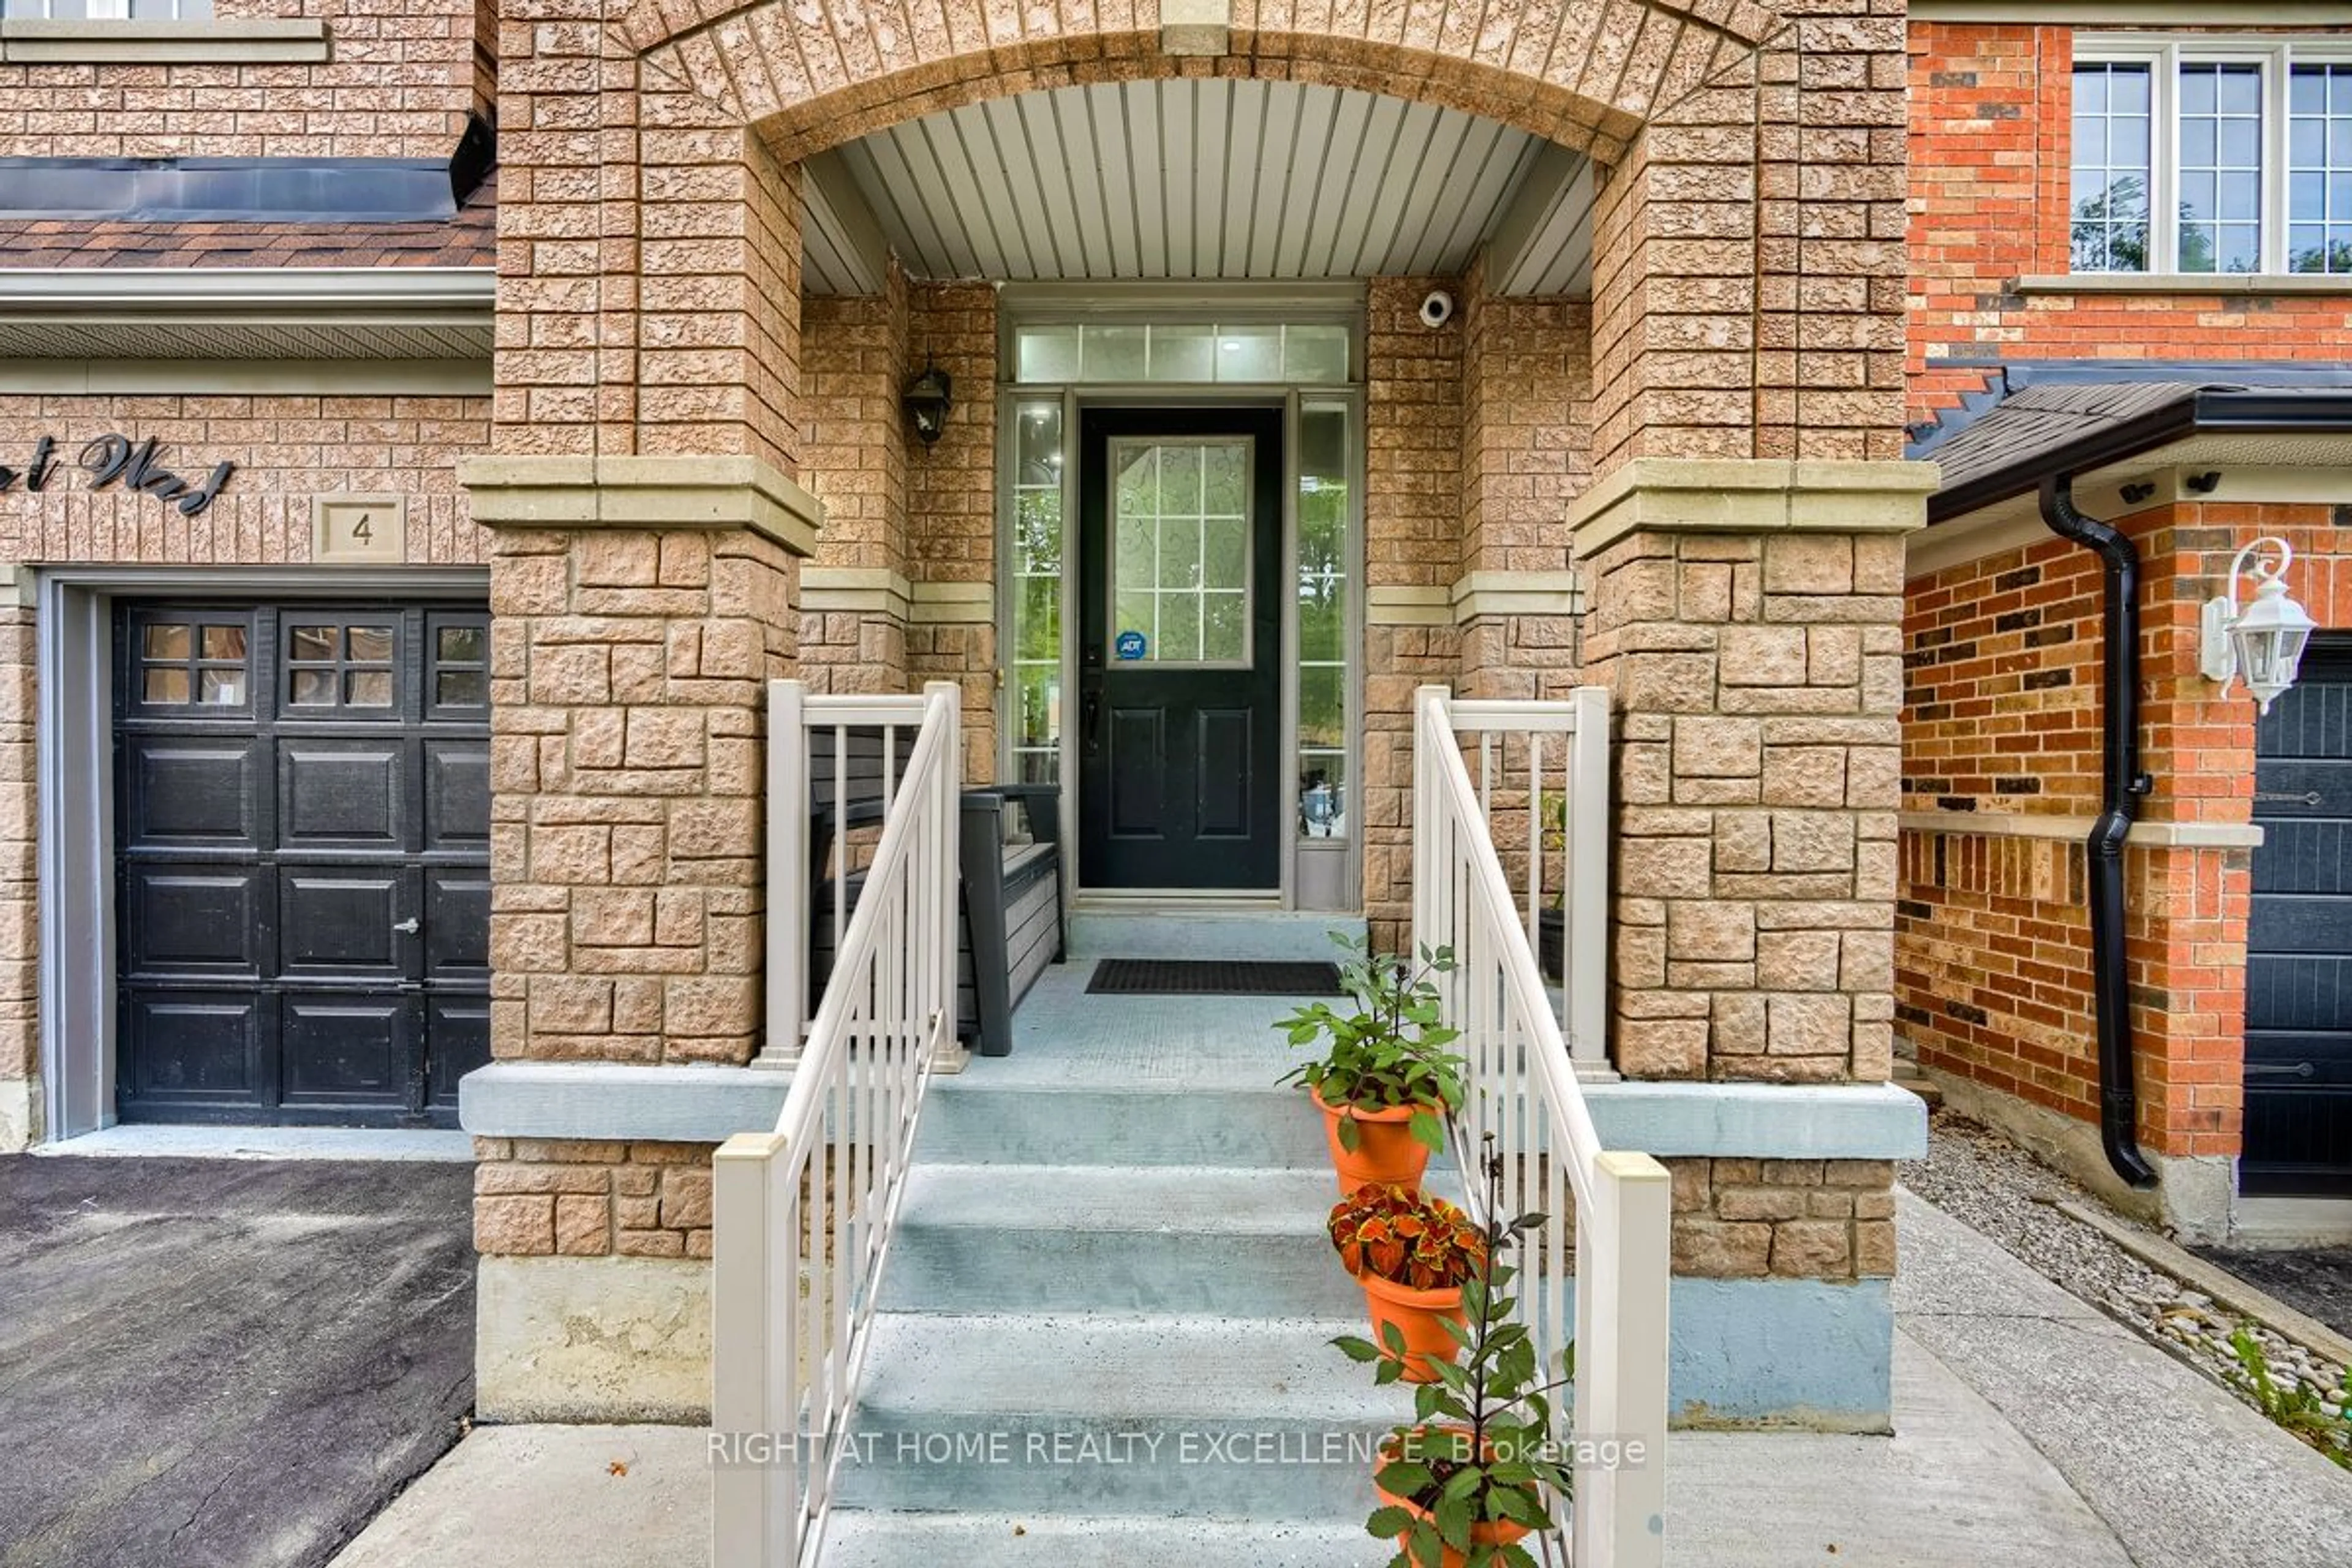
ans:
x=1203 y=178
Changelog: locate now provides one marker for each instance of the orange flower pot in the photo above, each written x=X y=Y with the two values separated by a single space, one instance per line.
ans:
x=1419 y=1315
x=1386 y=1150
x=1485 y=1532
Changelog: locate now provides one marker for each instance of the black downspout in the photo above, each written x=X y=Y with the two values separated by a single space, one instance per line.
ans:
x=2121 y=783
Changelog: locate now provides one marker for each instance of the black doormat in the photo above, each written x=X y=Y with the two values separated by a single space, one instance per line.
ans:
x=1211 y=977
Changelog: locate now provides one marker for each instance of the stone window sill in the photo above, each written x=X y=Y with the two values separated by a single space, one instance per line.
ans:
x=2234 y=284
x=44 y=43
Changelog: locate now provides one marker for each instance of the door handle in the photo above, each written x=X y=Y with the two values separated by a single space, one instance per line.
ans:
x=1090 y=720
x=408 y=927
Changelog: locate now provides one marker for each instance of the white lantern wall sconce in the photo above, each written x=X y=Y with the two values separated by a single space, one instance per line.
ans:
x=2262 y=643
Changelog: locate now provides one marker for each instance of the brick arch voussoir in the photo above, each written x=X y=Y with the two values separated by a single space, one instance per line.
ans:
x=807 y=80
x=797 y=130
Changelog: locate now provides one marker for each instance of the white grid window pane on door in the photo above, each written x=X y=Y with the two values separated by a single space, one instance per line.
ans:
x=1180 y=552
x=2114 y=165
x=2319 y=168
x=1037 y=564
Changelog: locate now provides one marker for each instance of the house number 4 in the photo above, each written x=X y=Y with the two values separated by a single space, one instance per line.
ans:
x=360 y=529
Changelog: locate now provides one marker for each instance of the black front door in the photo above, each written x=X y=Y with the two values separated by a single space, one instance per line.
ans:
x=303 y=845
x=1179 y=635
x=2299 y=939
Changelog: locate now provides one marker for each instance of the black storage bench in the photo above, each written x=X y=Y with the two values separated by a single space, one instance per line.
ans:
x=1011 y=904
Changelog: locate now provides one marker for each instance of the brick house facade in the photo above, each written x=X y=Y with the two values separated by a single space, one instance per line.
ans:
x=655 y=439
x=2013 y=299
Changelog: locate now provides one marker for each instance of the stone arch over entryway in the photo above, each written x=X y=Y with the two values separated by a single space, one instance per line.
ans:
x=1587 y=74
x=650 y=289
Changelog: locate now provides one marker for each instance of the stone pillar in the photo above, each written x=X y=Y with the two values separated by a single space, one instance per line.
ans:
x=639 y=605
x=1747 y=618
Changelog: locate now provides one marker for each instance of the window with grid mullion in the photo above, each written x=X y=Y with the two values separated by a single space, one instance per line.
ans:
x=2221 y=167
x=2319 y=169
x=2114 y=166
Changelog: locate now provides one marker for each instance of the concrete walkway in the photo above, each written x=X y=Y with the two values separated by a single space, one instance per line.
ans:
x=2031 y=1430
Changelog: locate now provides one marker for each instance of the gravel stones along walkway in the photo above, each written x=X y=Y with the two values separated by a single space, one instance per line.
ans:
x=1983 y=1179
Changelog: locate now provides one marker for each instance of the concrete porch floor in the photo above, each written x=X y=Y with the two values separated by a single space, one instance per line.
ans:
x=2031 y=1429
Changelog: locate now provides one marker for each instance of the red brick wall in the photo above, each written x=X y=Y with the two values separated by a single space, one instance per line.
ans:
x=1991 y=150
x=401 y=78
x=2002 y=718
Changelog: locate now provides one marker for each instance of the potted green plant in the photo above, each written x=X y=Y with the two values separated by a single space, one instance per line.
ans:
x=1385 y=1080
x=1475 y=1471
x=1412 y=1254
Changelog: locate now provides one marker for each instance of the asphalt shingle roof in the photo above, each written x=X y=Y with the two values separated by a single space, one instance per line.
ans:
x=2047 y=418
x=468 y=239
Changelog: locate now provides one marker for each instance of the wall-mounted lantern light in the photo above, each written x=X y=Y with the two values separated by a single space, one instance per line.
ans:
x=927 y=400
x=2262 y=644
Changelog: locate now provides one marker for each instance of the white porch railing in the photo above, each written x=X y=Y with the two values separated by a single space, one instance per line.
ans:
x=803 y=1214
x=1523 y=1089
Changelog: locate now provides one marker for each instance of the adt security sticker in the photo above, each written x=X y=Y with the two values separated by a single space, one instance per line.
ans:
x=1130 y=644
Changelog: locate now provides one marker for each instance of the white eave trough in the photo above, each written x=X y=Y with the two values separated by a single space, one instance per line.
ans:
x=248 y=314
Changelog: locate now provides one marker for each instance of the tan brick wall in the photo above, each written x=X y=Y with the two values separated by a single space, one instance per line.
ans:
x=1805 y=1219
x=649 y=292
x=854 y=431
x=853 y=367
x=402 y=78
x=20 y=886
x=1526 y=428
x=951 y=503
x=1526 y=452
x=626 y=779
x=1412 y=524
x=288 y=448
x=538 y=1197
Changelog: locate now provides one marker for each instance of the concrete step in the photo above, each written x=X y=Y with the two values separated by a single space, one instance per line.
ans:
x=1272 y=935
x=1908 y=1075
x=857 y=1540
x=1091 y=1414
x=1038 y=1239
x=987 y=1116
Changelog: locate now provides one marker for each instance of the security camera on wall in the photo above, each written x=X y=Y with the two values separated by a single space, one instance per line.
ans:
x=1437 y=310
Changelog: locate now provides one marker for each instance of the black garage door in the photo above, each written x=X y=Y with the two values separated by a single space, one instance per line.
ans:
x=2299 y=941
x=302 y=833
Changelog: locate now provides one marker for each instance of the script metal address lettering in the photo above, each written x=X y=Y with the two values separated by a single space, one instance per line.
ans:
x=109 y=458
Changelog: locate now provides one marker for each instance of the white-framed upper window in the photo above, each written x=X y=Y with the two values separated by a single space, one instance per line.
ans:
x=107 y=10
x=2224 y=155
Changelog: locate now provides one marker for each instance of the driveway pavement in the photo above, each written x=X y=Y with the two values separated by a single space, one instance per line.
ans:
x=2314 y=1280
x=223 y=1362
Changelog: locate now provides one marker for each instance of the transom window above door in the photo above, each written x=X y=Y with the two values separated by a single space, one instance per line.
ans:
x=1084 y=354
x=2223 y=158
